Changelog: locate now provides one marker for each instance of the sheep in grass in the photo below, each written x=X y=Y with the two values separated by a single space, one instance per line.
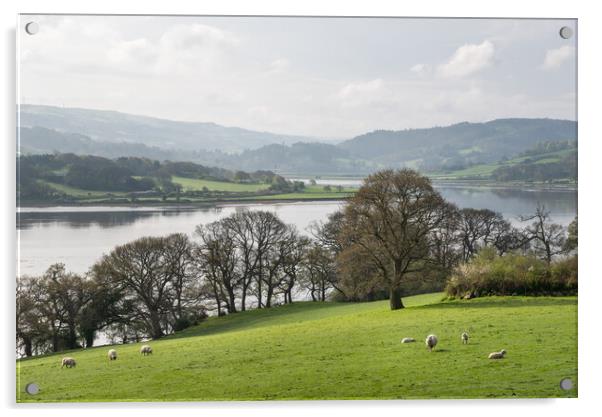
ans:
x=464 y=338
x=497 y=355
x=431 y=342
x=146 y=350
x=68 y=362
x=408 y=340
x=112 y=353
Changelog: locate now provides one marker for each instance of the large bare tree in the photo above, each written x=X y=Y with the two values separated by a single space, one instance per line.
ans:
x=391 y=218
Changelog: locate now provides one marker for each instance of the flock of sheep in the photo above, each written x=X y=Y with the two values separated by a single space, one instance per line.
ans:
x=112 y=354
x=431 y=341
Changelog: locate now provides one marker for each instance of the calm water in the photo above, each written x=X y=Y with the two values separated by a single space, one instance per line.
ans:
x=79 y=236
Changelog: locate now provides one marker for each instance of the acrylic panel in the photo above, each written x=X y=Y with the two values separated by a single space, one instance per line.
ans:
x=227 y=208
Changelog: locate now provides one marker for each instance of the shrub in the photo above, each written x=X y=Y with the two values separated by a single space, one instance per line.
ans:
x=512 y=274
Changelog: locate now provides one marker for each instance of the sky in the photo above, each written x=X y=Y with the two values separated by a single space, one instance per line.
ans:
x=322 y=77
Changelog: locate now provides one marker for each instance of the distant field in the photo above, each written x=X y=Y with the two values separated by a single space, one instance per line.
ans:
x=485 y=170
x=301 y=196
x=334 y=351
x=78 y=192
x=193 y=184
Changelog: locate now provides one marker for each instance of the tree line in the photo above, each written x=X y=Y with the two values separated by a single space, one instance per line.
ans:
x=124 y=174
x=397 y=236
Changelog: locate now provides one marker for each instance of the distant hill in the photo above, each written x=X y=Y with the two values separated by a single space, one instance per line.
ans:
x=40 y=140
x=46 y=129
x=112 y=126
x=458 y=145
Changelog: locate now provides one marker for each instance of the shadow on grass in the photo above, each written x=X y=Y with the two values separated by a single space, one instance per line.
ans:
x=507 y=302
x=291 y=313
x=258 y=318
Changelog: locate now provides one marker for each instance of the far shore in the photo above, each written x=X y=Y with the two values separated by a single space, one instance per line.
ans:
x=184 y=204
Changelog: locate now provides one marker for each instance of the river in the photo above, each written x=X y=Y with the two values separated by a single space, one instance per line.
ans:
x=78 y=236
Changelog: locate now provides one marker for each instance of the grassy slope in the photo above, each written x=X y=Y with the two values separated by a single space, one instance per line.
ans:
x=485 y=170
x=334 y=350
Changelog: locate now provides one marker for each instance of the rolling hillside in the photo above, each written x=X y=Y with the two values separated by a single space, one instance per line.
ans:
x=116 y=127
x=45 y=129
x=334 y=351
x=460 y=143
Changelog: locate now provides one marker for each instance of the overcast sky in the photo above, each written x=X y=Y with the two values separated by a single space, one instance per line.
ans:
x=323 y=77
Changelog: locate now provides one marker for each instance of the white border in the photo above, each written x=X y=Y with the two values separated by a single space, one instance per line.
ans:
x=590 y=33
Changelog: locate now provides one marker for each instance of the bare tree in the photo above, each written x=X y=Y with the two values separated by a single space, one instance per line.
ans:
x=294 y=255
x=31 y=329
x=217 y=257
x=267 y=230
x=320 y=272
x=480 y=227
x=547 y=239
x=69 y=293
x=149 y=271
x=391 y=217
x=241 y=224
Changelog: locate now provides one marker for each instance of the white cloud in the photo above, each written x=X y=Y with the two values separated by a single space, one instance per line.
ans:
x=241 y=74
x=556 y=57
x=132 y=52
x=186 y=37
x=421 y=69
x=352 y=90
x=467 y=60
x=279 y=65
x=362 y=93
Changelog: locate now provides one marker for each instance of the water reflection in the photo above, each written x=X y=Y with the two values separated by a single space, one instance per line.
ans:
x=78 y=238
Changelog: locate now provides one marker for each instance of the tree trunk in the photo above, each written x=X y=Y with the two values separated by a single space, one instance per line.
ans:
x=232 y=298
x=55 y=343
x=395 y=299
x=156 y=325
x=27 y=346
x=268 y=301
x=243 y=301
x=89 y=336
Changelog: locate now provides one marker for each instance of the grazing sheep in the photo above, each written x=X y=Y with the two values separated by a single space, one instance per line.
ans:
x=464 y=338
x=146 y=350
x=68 y=362
x=112 y=354
x=408 y=340
x=431 y=342
x=497 y=355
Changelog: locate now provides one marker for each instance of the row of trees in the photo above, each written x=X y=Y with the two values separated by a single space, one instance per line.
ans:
x=395 y=237
x=154 y=286
x=398 y=231
x=125 y=174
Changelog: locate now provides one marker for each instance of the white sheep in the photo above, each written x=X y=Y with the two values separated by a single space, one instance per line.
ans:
x=431 y=342
x=146 y=350
x=497 y=355
x=112 y=354
x=464 y=338
x=408 y=340
x=68 y=362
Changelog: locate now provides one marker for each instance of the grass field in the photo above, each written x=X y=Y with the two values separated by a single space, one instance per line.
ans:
x=334 y=351
x=78 y=192
x=485 y=170
x=194 y=184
